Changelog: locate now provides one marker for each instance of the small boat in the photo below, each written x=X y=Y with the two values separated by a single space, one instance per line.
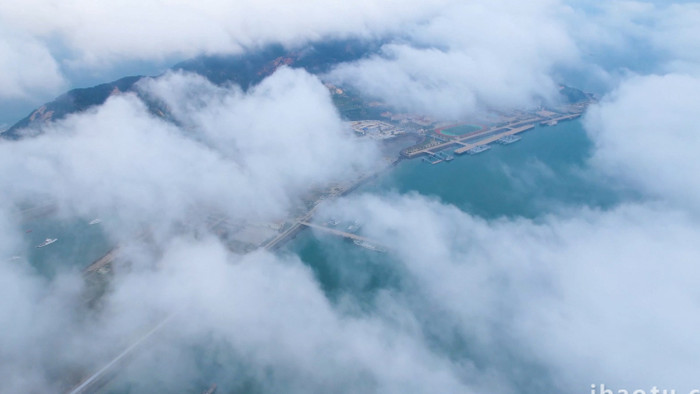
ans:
x=478 y=149
x=47 y=242
x=509 y=139
x=95 y=221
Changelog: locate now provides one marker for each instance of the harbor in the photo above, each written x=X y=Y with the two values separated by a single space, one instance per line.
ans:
x=477 y=179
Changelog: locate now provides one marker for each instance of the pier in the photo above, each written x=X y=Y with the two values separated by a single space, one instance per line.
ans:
x=360 y=240
x=339 y=233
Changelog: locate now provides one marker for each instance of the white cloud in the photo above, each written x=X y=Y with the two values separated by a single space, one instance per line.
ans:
x=272 y=313
x=647 y=133
x=499 y=53
x=507 y=54
x=27 y=68
x=595 y=297
x=675 y=34
x=86 y=37
x=247 y=155
x=152 y=29
x=234 y=153
x=474 y=56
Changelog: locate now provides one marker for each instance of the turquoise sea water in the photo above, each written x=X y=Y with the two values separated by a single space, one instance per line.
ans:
x=78 y=244
x=543 y=173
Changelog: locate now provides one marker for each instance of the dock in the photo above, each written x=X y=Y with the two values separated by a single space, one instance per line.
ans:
x=437 y=157
x=462 y=140
x=510 y=131
x=431 y=158
x=478 y=149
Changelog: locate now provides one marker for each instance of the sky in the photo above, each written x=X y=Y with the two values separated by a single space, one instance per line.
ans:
x=579 y=297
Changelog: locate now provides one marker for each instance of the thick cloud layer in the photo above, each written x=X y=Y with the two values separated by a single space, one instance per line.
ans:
x=505 y=306
x=48 y=47
x=597 y=297
x=504 y=54
x=484 y=53
x=474 y=56
x=230 y=156
x=147 y=29
x=647 y=133
x=272 y=313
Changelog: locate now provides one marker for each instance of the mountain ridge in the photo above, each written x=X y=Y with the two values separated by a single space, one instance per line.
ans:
x=246 y=69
